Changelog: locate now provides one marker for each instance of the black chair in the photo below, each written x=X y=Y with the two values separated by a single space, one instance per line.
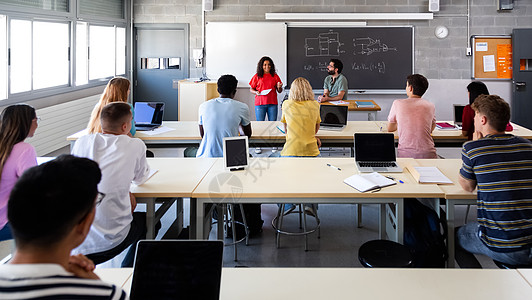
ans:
x=385 y=254
x=502 y=265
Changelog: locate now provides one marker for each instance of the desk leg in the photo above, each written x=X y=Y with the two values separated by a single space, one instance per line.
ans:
x=450 y=233
x=150 y=218
x=358 y=215
x=382 y=222
x=200 y=215
x=180 y=213
x=192 y=232
x=400 y=213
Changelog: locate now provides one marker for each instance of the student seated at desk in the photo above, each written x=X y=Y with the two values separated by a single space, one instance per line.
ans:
x=414 y=120
x=500 y=166
x=474 y=89
x=17 y=123
x=224 y=117
x=301 y=121
x=117 y=90
x=51 y=209
x=335 y=85
x=122 y=161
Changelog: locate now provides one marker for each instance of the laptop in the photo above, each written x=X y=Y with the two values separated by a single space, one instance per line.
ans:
x=333 y=117
x=177 y=269
x=148 y=115
x=375 y=152
x=458 y=110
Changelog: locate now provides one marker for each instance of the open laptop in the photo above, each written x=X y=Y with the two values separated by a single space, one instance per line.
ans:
x=177 y=269
x=148 y=115
x=375 y=152
x=333 y=117
x=458 y=110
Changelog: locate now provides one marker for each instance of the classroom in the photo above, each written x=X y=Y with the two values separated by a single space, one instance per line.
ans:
x=172 y=46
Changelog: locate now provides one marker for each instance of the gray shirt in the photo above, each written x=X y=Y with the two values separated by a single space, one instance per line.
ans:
x=339 y=85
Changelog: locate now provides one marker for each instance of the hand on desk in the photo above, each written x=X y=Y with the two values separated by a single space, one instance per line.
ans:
x=81 y=267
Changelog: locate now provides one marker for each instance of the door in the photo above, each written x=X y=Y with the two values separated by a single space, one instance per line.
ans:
x=522 y=77
x=161 y=59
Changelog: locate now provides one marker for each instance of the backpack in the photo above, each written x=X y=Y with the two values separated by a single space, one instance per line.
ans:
x=425 y=234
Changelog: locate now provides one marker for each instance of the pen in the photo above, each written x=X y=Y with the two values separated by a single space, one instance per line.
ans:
x=280 y=129
x=329 y=165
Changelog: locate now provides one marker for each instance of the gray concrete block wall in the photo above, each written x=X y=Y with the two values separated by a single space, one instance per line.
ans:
x=437 y=59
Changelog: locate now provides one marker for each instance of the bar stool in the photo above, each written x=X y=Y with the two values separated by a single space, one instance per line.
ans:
x=384 y=254
x=277 y=224
x=229 y=217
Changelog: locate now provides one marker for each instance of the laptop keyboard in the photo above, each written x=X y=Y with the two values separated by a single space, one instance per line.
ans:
x=377 y=164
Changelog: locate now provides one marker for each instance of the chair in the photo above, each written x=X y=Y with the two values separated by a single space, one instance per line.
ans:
x=277 y=224
x=385 y=254
x=228 y=218
x=502 y=265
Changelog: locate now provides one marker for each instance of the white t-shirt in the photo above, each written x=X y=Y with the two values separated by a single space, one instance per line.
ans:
x=122 y=161
x=30 y=281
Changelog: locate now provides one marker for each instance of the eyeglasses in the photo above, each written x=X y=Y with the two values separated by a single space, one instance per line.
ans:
x=99 y=198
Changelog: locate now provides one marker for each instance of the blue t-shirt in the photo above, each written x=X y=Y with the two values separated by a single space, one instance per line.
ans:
x=502 y=167
x=220 y=118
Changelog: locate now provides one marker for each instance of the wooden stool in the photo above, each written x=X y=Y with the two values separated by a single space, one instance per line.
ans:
x=384 y=254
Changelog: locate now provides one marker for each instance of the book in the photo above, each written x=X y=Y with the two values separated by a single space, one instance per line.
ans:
x=428 y=175
x=362 y=104
x=445 y=125
x=368 y=182
x=339 y=102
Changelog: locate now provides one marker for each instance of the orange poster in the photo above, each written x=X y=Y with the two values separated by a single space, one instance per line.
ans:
x=504 y=61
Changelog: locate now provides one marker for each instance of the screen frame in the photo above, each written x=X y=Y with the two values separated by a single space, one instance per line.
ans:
x=237 y=167
x=343 y=109
x=156 y=113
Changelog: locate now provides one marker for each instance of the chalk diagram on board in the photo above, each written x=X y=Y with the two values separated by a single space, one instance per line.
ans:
x=379 y=67
x=322 y=67
x=326 y=44
x=368 y=46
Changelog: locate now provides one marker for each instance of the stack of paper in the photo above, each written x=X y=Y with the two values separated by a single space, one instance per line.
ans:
x=428 y=175
x=365 y=104
x=368 y=182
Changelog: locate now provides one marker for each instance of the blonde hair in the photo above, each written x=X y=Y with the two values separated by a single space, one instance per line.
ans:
x=115 y=91
x=300 y=90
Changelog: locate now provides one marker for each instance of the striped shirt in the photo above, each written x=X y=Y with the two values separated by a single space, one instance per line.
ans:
x=502 y=167
x=50 y=281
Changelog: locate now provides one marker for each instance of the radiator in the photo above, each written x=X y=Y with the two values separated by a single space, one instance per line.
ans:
x=59 y=121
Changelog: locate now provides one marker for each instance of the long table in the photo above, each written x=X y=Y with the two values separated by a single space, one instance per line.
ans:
x=346 y=283
x=265 y=133
x=306 y=180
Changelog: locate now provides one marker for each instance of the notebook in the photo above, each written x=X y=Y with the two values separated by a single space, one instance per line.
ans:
x=375 y=152
x=333 y=117
x=148 y=115
x=458 y=110
x=177 y=269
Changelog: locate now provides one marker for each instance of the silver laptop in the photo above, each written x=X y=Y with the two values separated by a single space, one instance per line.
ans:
x=148 y=115
x=375 y=152
x=333 y=117
x=458 y=110
x=177 y=269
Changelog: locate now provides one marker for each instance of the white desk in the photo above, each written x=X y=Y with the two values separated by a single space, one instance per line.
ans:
x=304 y=180
x=358 y=283
x=176 y=178
x=527 y=274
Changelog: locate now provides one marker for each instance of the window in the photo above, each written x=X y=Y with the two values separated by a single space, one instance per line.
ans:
x=46 y=49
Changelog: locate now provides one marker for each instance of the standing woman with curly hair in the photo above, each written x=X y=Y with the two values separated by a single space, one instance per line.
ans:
x=117 y=90
x=17 y=123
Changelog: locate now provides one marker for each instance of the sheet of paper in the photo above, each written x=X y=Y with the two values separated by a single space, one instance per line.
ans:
x=431 y=175
x=360 y=183
x=481 y=46
x=378 y=179
x=489 y=63
x=265 y=92
x=339 y=102
x=42 y=159
x=159 y=130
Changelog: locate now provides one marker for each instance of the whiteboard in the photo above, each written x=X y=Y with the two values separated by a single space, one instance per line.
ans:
x=236 y=48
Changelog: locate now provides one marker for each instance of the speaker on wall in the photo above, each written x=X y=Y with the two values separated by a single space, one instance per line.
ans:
x=434 y=5
x=208 y=5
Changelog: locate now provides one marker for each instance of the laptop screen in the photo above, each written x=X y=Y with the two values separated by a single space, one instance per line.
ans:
x=458 y=111
x=177 y=269
x=149 y=113
x=333 y=115
x=374 y=147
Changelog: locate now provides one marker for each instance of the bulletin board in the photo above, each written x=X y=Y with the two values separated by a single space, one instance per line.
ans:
x=492 y=57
